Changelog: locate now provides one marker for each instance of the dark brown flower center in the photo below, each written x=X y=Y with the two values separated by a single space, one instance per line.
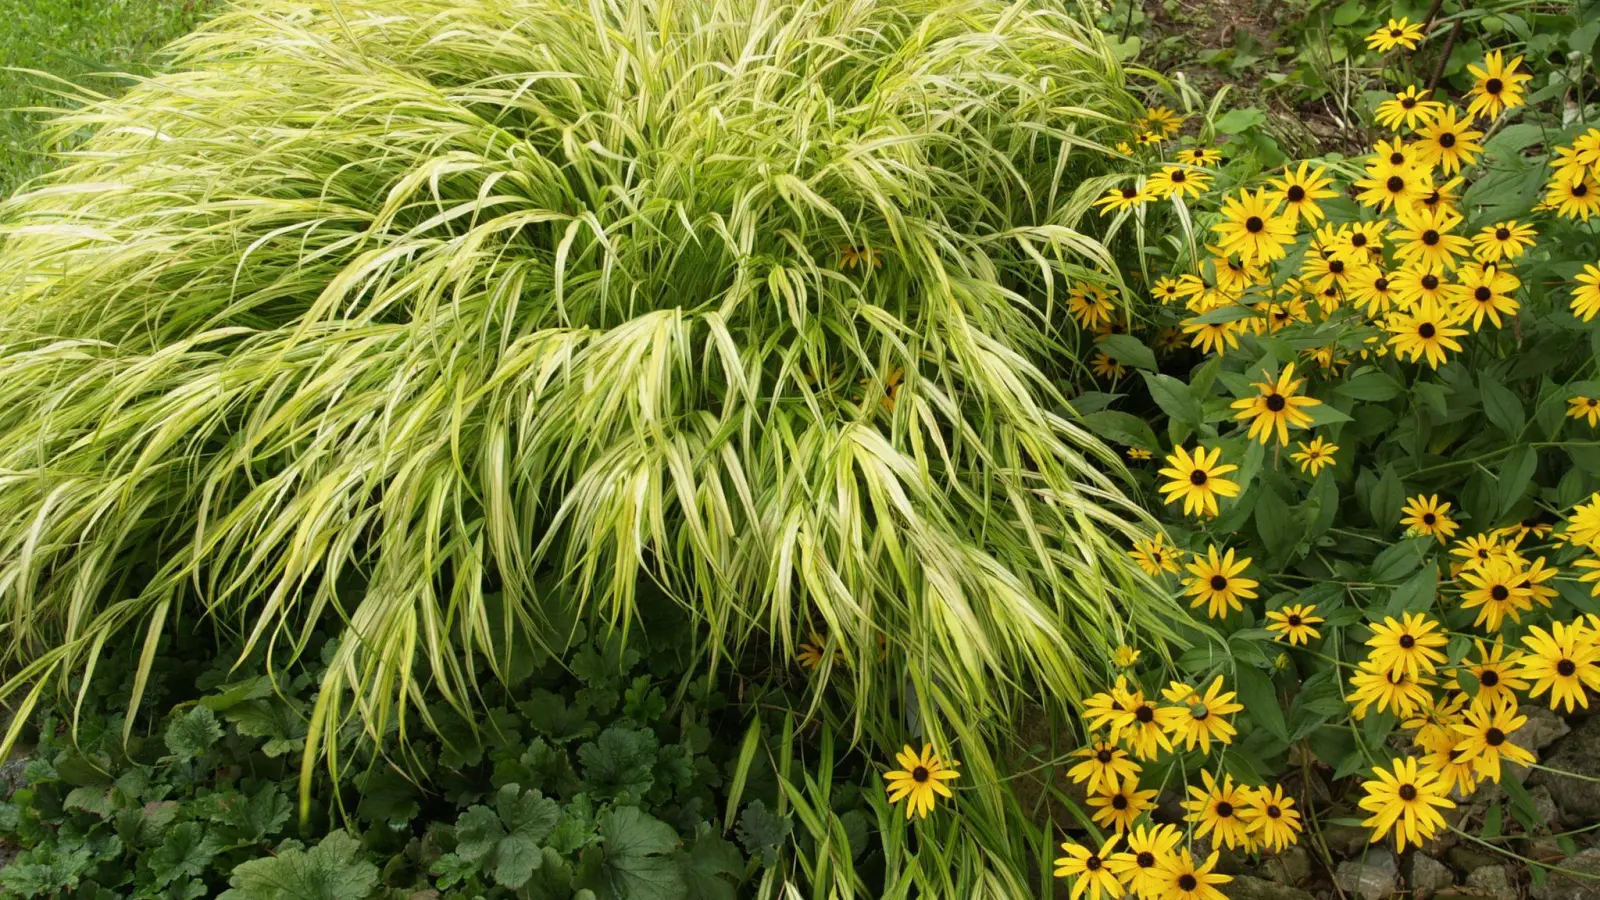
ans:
x=1430 y=282
x=1565 y=668
x=1408 y=102
x=1129 y=193
x=1488 y=678
x=1178 y=177
x=1482 y=294
x=1294 y=621
x=1499 y=592
x=1407 y=641
x=1254 y=224
x=1224 y=809
x=1408 y=792
x=1493 y=86
x=1447 y=140
x=1494 y=737
x=1395 y=184
x=919 y=774
x=1105 y=756
x=1430 y=237
x=1427 y=519
x=1336 y=266
x=1276 y=403
x=1358 y=240
x=1219 y=583
x=1296 y=193
x=1119 y=802
x=1145 y=714
x=1197 y=477
x=1187 y=882
x=1145 y=859
x=1396 y=33
x=1092 y=863
x=1580 y=190
x=1397 y=158
x=1273 y=812
x=1501 y=234
x=1381 y=284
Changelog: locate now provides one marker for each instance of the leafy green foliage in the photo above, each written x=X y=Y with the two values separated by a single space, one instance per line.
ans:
x=331 y=870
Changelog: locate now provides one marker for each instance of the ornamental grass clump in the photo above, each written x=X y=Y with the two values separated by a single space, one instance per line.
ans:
x=431 y=318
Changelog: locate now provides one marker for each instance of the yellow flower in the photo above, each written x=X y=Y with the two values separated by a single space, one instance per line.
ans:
x=1092 y=878
x=1218 y=584
x=1197 y=480
x=1584 y=408
x=1199 y=156
x=1276 y=407
x=1496 y=592
x=1561 y=661
x=1136 y=725
x=812 y=654
x=1125 y=657
x=1149 y=848
x=1103 y=763
x=1573 y=201
x=1162 y=119
x=1126 y=197
x=1155 y=555
x=1591 y=573
x=1198 y=718
x=1409 y=108
x=1397 y=691
x=1272 y=819
x=1106 y=367
x=1090 y=305
x=1426 y=241
x=920 y=777
x=1331 y=271
x=1586 y=297
x=1406 y=801
x=1294 y=623
x=1315 y=456
x=1413 y=286
x=1100 y=709
x=1497 y=673
x=1168 y=290
x=1426 y=515
x=1484 y=291
x=1498 y=85
x=1300 y=190
x=1479 y=549
x=1375 y=290
x=1409 y=644
x=850 y=257
x=1138 y=454
x=1216 y=810
x=1401 y=188
x=1503 y=240
x=1400 y=32
x=1118 y=807
x=1448 y=142
x=1485 y=736
x=1583 y=526
x=1181 y=879
x=1177 y=180
x=1425 y=331
x=1252 y=227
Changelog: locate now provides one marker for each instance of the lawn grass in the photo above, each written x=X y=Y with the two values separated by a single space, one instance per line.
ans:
x=79 y=40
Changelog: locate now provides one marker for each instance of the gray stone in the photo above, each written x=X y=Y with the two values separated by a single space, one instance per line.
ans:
x=1579 y=754
x=1492 y=881
x=1346 y=840
x=1426 y=875
x=1472 y=857
x=1567 y=887
x=1545 y=805
x=1292 y=865
x=1542 y=729
x=1372 y=878
x=1245 y=887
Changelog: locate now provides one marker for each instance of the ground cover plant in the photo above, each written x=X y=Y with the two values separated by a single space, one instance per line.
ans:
x=870 y=450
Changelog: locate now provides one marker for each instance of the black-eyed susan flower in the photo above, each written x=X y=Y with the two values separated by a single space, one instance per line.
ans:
x=1573 y=201
x=1503 y=241
x=1586 y=296
x=1401 y=32
x=1091 y=877
x=1232 y=274
x=1479 y=549
x=1139 y=454
x=920 y=778
x=1212 y=337
x=1198 y=156
x=1277 y=407
x=1295 y=623
x=1321 y=273
x=1252 y=227
x=1413 y=286
x=1138 y=726
x=1300 y=189
x=1495 y=589
x=1407 y=109
x=1216 y=811
x=1426 y=330
x=1197 y=480
x=1435 y=720
x=1561 y=661
x=1534 y=576
x=1584 y=409
x=1426 y=240
x=1125 y=197
x=1374 y=291
x=1484 y=292
x=1106 y=367
x=1196 y=718
x=1394 y=156
x=1426 y=515
x=1218 y=583
x=1271 y=818
x=1406 y=800
x=1182 y=879
x=1409 y=644
x=1125 y=657
x=1400 y=188
x=1099 y=709
x=1485 y=738
x=1358 y=243
x=1583 y=525
x=867 y=258
x=1590 y=572
x=1121 y=806
x=1177 y=181
x=1104 y=763
x=1315 y=456
x=1168 y=291
x=1496 y=672
x=812 y=654
x=1159 y=118
x=1397 y=692
x=1090 y=305
x=1497 y=85
x=1147 y=849
x=1448 y=142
